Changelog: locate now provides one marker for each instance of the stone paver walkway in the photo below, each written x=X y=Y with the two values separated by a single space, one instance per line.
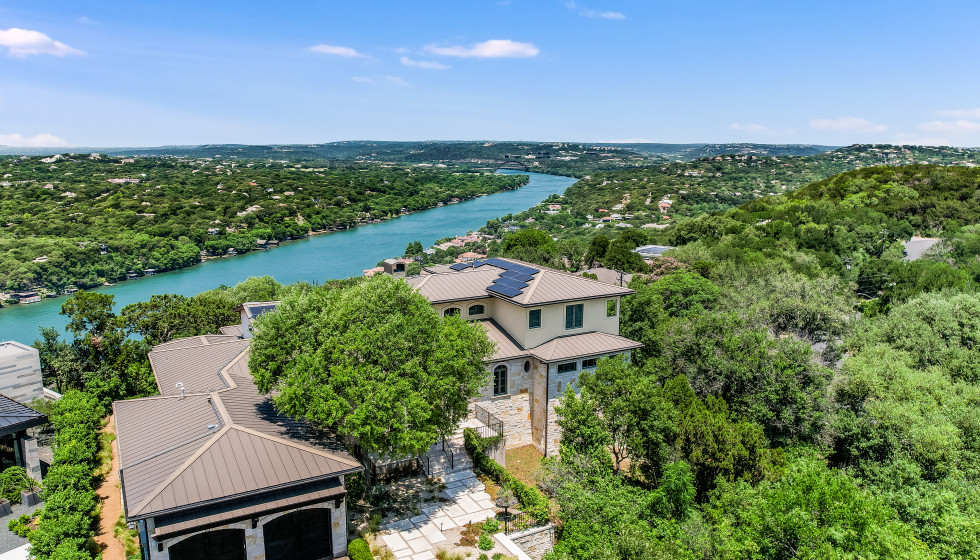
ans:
x=416 y=538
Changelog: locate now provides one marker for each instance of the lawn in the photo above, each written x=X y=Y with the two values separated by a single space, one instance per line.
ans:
x=523 y=461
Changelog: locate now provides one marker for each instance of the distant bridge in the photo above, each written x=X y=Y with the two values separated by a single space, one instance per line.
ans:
x=511 y=164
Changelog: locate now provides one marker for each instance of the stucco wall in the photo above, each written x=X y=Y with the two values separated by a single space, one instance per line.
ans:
x=514 y=320
x=254 y=542
x=20 y=372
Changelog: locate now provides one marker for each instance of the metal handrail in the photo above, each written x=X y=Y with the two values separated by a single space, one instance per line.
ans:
x=449 y=453
x=425 y=464
x=492 y=426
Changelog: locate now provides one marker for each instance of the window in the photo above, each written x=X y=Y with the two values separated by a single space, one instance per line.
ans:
x=450 y=312
x=299 y=534
x=590 y=363
x=222 y=544
x=499 y=380
x=534 y=319
x=611 y=308
x=568 y=367
x=477 y=310
x=527 y=366
x=573 y=316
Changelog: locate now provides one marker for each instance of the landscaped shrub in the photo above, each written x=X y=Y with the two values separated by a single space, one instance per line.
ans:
x=68 y=519
x=359 y=550
x=19 y=526
x=12 y=481
x=486 y=543
x=491 y=526
x=533 y=500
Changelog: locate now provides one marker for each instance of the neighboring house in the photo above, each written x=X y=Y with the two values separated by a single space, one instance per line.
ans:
x=26 y=297
x=20 y=372
x=249 y=311
x=210 y=470
x=548 y=326
x=651 y=251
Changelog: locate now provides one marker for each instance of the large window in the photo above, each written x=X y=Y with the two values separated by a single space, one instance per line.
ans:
x=568 y=367
x=534 y=319
x=499 y=380
x=300 y=534
x=574 y=315
x=451 y=311
x=223 y=544
x=477 y=309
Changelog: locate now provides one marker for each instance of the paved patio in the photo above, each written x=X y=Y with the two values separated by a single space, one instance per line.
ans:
x=418 y=538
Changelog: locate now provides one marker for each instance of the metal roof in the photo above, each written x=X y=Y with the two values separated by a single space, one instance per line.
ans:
x=506 y=347
x=232 y=330
x=546 y=285
x=15 y=417
x=582 y=345
x=255 y=308
x=214 y=446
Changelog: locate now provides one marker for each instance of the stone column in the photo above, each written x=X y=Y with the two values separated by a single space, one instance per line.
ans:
x=338 y=521
x=32 y=458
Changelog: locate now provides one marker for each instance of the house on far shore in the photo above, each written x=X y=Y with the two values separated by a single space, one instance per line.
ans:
x=210 y=470
x=26 y=297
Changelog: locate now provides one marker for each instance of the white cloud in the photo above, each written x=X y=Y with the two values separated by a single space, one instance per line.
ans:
x=38 y=141
x=847 y=124
x=381 y=80
x=494 y=48
x=335 y=50
x=430 y=64
x=961 y=114
x=759 y=128
x=21 y=43
x=601 y=14
x=962 y=126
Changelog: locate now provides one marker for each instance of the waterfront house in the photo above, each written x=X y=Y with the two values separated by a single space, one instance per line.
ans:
x=26 y=297
x=210 y=470
x=548 y=327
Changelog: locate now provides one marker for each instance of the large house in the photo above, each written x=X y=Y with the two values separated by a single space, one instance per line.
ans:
x=548 y=327
x=210 y=471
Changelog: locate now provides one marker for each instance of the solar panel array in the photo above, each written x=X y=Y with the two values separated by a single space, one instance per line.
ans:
x=511 y=282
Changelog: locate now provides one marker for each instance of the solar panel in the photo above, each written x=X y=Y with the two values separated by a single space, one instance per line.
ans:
x=503 y=290
x=516 y=276
x=478 y=264
x=460 y=266
x=501 y=263
x=522 y=269
x=511 y=282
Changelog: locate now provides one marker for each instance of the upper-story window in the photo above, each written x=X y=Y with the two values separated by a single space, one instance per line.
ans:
x=451 y=311
x=590 y=363
x=477 y=309
x=534 y=319
x=574 y=315
x=611 y=308
x=568 y=367
x=500 y=380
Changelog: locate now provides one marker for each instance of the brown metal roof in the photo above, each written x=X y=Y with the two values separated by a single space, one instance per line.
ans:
x=232 y=330
x=581 y=345
x=181 y=523
x=195 y=366
x=548 y=286
x=191 y=341
x=506 y=347
x=193 y=452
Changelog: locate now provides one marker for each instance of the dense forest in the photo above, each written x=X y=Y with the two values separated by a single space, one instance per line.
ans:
x=804 y=390
x=87 y=219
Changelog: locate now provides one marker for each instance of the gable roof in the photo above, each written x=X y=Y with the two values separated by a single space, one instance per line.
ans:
x=15 y=417
x=445 y=284
x=219 y=442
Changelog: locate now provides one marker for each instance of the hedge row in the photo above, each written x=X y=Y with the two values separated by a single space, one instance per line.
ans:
x=533 y=500
x=70 y=514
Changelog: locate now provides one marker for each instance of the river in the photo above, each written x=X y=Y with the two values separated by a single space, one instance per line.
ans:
x=317 y=258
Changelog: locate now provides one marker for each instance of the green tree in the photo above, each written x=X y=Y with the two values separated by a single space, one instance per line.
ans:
x=373 y=361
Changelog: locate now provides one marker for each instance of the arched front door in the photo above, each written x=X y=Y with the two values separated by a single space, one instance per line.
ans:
x=223 y=544
x=302 y=534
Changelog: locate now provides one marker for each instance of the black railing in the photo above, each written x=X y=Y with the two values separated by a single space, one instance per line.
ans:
x=425 y=464
x=492 y=426
x=519 y=521
x=448 y=450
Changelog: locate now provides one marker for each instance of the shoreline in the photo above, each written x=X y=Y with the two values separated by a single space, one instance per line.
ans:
x=279 y=244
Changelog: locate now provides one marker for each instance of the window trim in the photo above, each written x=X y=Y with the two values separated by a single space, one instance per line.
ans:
x=575 y=324
x=540 y=322
x=498 y=369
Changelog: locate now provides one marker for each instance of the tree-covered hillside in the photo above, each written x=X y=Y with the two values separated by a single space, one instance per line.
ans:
x=84 y=220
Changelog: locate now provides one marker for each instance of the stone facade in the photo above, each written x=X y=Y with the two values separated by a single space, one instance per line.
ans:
x=535 y=542
x=254 y=541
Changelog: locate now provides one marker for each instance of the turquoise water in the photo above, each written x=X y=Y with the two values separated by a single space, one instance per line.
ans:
x=317 y=258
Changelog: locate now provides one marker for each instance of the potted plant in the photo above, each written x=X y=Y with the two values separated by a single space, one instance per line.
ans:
x=30 y=496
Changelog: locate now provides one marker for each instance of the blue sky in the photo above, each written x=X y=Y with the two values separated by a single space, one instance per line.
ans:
x=81 y=73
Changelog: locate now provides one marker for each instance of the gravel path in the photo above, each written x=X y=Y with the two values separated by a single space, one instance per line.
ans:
x=8 y=540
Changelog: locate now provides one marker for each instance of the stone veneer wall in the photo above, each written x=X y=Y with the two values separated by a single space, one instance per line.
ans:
x=535 y=542
x=514 y=408
x=254 y=541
